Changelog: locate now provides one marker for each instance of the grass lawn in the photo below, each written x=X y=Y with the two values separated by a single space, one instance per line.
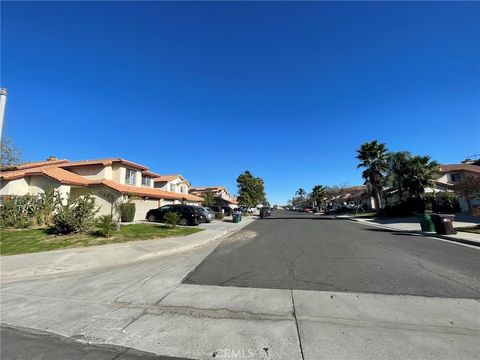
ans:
x=34 y=240
x=366 y=215
x=473 y=230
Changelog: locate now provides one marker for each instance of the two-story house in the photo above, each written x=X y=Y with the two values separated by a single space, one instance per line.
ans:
x=127 y=180
x=224 y=199
x=452 y=174
x=173 y=183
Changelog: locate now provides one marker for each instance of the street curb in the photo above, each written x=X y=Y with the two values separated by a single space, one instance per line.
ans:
x=192 y=246
x=417 y=232
x=51 y=268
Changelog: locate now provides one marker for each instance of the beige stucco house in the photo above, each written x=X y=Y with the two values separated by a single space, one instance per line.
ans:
x=453 y=174
x=449 y=175
x=220 y=192
x=172 y=183
x=126 y=180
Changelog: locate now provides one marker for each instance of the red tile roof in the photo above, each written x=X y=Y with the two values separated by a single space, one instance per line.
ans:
x=167 y=178
x=104 y=162
x=55 y=169
x=146 y=191
x=205 y=189
x=65 y=177
x=460 y=167
x=209 y=188
x=39 y=163
x=149 y=173
x=51 y=171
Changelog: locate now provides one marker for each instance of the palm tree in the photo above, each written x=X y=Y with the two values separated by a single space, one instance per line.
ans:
x=301 y=192
x=421 y=173
x=373 y=158
x=397 y=163
x=318 y=194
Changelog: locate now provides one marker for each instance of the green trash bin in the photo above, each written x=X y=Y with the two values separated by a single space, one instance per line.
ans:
x=426 y=223
x=236 y=217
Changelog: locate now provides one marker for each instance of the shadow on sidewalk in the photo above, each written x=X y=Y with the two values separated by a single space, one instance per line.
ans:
x=299 y=218
x=397 y=232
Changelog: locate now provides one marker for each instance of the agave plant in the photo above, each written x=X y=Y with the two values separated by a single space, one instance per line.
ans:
x=172 y=219
x=106 y=224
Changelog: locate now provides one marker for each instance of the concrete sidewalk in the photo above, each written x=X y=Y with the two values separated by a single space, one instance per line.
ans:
x=74 y=259
x=412 y=225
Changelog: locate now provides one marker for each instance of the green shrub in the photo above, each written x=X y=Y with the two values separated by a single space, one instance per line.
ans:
x=127 y=212
x=172 y=219
x=14 y=213
x=408 y=207
x=446 y=202
x=77 y=215
x=219 y=216
x=46 y=203
x=29 y=210
x=106 y=225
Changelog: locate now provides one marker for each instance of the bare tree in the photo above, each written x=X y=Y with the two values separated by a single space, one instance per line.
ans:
x=10 y=154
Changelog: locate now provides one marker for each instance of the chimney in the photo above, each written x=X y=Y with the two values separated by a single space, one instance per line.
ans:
x=52 y=158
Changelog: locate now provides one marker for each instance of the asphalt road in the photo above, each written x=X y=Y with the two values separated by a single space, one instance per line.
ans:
x=310 y=252
x=23 y=344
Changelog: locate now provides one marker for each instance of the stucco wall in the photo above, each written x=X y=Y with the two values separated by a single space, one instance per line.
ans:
x=93 y=172
x=178 y=182
x=142 y=207
x=165 y=202
x=14 y=187
x=38 y=184
x=464 y=204
x=118 y=174
x=104 y=205
x=443 y=178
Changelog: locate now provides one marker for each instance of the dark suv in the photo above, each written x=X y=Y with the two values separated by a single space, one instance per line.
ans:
x=189 y=215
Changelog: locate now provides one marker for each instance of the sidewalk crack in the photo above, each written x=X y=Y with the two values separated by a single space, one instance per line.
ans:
x=296 y=325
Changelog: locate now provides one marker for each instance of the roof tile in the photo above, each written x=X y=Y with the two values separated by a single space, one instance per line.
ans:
x=460 y=167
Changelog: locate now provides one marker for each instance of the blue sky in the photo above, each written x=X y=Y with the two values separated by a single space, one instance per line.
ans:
x=286 y=90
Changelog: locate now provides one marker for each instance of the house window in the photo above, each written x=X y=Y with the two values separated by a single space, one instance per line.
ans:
x=146 y=181
x=173 y=187
x=455 y=177
x=130 y=177
x=183 y=189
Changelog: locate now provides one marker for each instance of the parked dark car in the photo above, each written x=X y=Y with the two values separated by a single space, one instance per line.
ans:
x=242 y=209
x=189 y=215
x=265 y=211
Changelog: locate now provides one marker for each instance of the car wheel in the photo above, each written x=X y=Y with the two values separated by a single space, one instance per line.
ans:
x=151 y=218
x=183 y=222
